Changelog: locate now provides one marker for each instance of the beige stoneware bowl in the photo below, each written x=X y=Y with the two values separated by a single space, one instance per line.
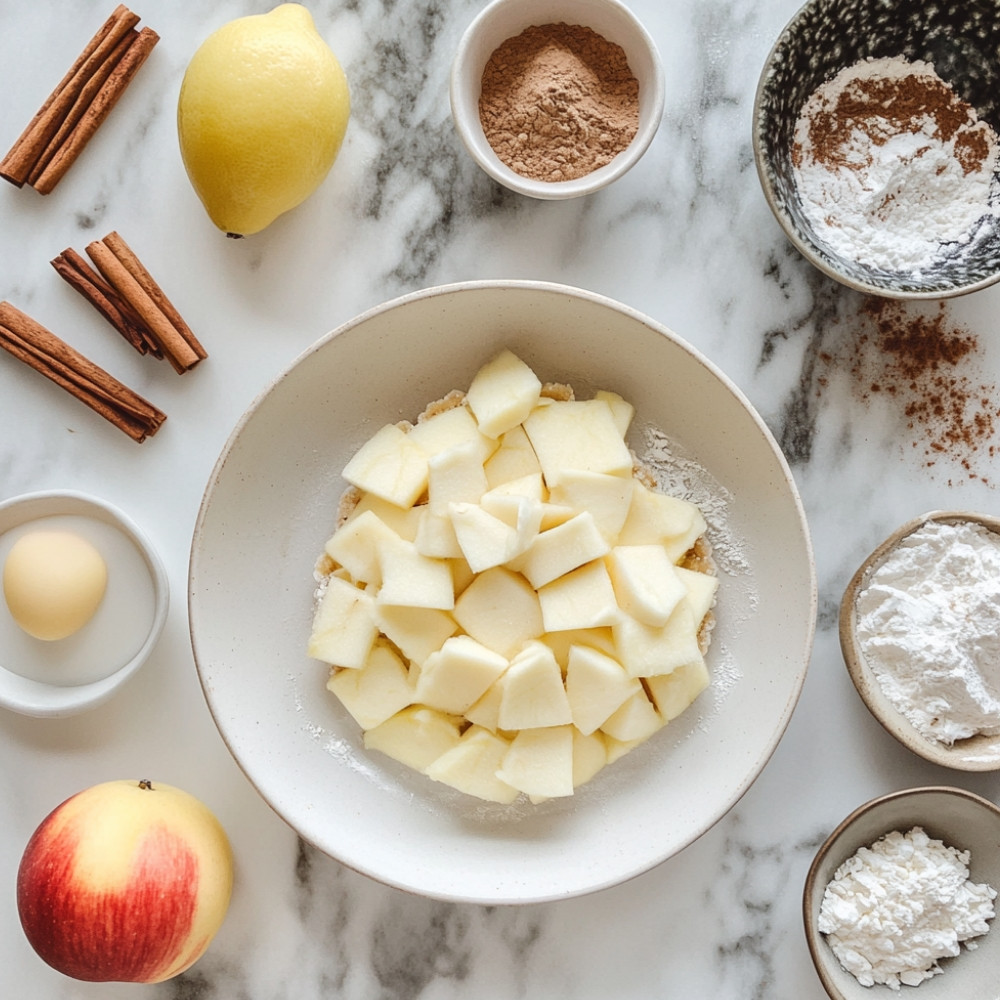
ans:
x=959 y=818
x=271 y=504
x=503 y=19
x=979 y=753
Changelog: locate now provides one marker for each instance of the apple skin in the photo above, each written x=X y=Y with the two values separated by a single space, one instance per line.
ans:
x=126 y=881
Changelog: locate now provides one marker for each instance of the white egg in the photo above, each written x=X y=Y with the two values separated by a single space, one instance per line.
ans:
x=53 y=582
x=79 y=599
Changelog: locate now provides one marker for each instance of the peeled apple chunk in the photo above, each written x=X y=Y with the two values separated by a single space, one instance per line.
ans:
x=127 y=881
x=261 y=116
x=507 y=606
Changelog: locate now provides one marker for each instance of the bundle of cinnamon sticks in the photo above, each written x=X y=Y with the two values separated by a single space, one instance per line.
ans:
x=84 y=97
x=40 y=349
x=124 y=292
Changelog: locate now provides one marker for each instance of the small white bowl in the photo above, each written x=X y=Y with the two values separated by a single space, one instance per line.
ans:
x=958 y=818
x=978 y=753
x=48 y=681
x=504 y=19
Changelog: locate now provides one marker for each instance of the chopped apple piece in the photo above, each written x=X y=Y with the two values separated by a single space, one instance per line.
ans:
x=581 y=599
x=417 y=632
x=701 y=590
x=596 y=686
x=391 y=466
x=448 y=428
x=532 y=692
x=646 y=583
x=523 y=514
x=530 y=485
x=558 y=551
x=636 y=720
x=590 y=754
x=621 y=409
x=416 y=736
x=402 y=520
x=375 y=692
x=501 y=610
x=673 y=692
x=646 y=651
x=455 y=677
x=659 y=519
x=486 y=711
x=575 y=434
x=503 y=393
x=344 y=627
x=472 y=766
x=560 y=643
x=410 y=579
x=456 y=476
x=554 y=514
x=461 y=573
x=513 y=459
x=485 y=540
x=435 y=536
x=356 y=544
x=616 y=749
x=539 y=762
x=607 y=498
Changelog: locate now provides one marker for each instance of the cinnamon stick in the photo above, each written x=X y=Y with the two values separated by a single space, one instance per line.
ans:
x=41 y=350
x=80 y=102
x=123 y=270
x=75 y=270
x=55 y=163
x=114 y=242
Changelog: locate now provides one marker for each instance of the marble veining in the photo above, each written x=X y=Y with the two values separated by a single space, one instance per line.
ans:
x=685 y=237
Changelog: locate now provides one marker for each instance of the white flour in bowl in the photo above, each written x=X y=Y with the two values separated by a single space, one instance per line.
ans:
x=892 y=166
x=894 y=909
x=928 y=624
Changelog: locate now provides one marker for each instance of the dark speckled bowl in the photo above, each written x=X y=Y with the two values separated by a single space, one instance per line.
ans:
x=961 y=38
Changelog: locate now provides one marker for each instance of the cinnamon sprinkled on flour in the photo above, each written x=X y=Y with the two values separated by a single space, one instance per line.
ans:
x=894 y=170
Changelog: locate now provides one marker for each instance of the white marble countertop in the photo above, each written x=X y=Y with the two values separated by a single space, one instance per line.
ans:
x=687 y=238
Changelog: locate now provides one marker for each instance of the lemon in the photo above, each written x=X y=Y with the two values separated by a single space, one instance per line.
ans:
x=261 y=116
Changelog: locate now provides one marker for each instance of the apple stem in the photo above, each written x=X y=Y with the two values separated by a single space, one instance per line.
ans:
x=146 y=783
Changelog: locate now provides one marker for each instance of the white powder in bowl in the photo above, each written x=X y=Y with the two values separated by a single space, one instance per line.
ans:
x=928 y=625
x=894 y=909
x=892 y=167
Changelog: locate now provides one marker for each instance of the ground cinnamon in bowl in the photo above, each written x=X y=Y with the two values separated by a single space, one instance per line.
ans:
x=558 y=101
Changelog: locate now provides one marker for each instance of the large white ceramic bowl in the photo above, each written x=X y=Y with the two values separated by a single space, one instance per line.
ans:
x=271 y=504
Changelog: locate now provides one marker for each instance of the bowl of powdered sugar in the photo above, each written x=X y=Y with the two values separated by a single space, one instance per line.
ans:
x=903 y=893
x=876 y=140
x=920 y=634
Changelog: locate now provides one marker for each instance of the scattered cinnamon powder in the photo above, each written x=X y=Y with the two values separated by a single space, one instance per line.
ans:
x=558 y=101
x=920 y=362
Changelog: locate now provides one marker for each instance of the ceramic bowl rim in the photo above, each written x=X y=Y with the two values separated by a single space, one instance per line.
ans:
x=893 y=721
x=41 y=700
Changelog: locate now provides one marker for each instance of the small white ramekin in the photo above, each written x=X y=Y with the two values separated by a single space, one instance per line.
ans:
x=30 y=696
x=503 y=19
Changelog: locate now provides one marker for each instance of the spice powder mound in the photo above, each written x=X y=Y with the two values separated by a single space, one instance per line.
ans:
x=919 y=363
x=558 y=101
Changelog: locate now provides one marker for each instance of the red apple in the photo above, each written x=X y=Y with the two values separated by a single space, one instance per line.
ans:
x=126 y=881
